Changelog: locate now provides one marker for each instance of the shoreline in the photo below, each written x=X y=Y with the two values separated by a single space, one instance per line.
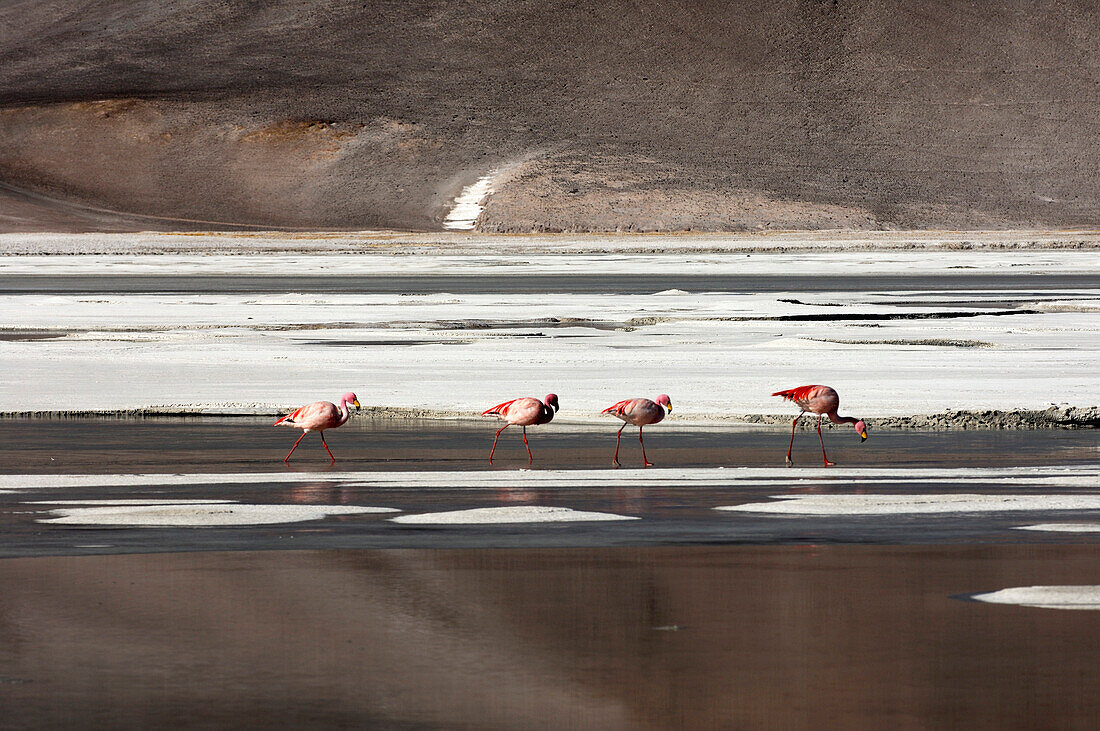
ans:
x=1064 y=417
x=477 y=242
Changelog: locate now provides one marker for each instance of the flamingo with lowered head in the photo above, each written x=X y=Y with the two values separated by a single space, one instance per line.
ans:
x=638 y=412
x=823 y=401
x=523 y=412
x=318 y=416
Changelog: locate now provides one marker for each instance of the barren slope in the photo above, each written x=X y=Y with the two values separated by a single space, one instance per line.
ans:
x=600 y=116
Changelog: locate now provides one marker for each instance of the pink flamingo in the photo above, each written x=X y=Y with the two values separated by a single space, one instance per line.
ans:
x=823 y=401
x=318 y=416
x=523 y=412
x=639 y=412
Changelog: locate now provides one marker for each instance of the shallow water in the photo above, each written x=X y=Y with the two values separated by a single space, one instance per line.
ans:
x=709 y=637
x=604 y=283
x=232 y=444
x=77 y=469
x=683 y=617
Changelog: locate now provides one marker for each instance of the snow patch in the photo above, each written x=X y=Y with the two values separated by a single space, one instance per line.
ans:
x=1045 y=597
x=509 y=514
x=915 y=504
x=469 y=204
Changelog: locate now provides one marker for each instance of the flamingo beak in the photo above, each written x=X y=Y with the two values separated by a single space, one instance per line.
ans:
x=669 y=407
x=356 y=402
x=863 y=436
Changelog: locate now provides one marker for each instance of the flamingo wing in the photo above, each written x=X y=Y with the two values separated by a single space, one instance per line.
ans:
x=620 y=408
x=801 y=393
x=292 y=417
x=317 y=415
x=499 y=409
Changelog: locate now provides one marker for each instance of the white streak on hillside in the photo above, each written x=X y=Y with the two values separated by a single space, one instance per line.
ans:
x=469 y=204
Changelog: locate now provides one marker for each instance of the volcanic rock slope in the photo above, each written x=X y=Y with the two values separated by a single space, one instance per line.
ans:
x=588 y=116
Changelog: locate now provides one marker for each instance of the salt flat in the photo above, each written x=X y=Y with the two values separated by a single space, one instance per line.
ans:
x=937 y=338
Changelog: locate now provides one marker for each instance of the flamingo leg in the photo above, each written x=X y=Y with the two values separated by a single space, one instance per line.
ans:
x=287 y=457
x=530 y=458
x=618 y=438
x=495 y=442
x=789 y=446
x=644 y=458
x=824 y=456
x=326 y=446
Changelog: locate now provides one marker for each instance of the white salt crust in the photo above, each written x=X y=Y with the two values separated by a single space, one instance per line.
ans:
x=192 y=514
x=130 y=351
x=509 y=514
x=1046 y=597
x=1063 y=527
x=915 y=504
x=835 y=478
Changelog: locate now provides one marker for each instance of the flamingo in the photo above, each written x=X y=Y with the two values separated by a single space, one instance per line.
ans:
x=639 y=412
x=318 y=416
x=823 y=401
x=523 y=412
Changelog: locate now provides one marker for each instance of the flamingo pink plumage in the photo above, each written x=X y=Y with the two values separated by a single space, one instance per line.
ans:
x=638 y=412
x=523 y=412
x=318 y=416
x=823 y=401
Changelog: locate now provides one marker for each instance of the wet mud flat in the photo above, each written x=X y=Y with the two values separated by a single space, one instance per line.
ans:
x=703 y=637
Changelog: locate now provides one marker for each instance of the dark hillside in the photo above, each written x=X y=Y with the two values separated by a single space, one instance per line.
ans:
x=598 y=116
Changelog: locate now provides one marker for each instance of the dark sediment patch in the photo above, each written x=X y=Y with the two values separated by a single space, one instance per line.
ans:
x=839 y=317
x=811 y=304
x=14 y=336
x=381 y=343
x=934 y=342
x=605 y=283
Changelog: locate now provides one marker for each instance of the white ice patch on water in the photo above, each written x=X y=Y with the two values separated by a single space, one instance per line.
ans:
x=196 y=514
x=1063 y=527
x=136 y=501
x=509 y=514
x=909 y=504
x=469 y=204
x=1046 y=597
x=1028 y=478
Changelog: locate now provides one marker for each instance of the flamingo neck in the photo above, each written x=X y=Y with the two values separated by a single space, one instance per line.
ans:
x=345 y=413
x=841 y=419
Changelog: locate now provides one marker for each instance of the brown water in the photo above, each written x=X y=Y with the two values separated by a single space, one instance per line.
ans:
x=714 y=637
